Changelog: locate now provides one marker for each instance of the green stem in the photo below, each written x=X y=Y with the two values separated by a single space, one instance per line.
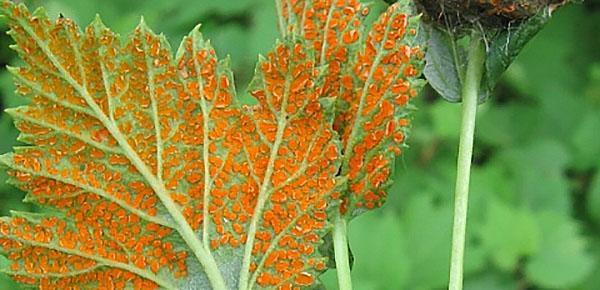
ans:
x=469 y=94
x=342 y=261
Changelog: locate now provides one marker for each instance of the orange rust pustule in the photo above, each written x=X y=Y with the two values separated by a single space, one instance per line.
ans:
x=209 y=120
x=385 y=71
x=303 y=171
x=76 y=167
x=332 y=28
x=335 y=30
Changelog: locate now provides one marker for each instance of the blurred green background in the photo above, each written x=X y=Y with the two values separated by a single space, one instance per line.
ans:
x=534 y=220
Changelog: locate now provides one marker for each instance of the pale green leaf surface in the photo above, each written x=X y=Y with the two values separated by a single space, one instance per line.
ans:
x=509 y=234
x=537 y=169
x=428 y=238
x=561 y=262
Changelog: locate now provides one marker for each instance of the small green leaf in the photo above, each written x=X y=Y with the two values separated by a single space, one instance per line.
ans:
x=562 y=261
x=509 y=234
x=506 y=45
x=444 y=64
x=379 y=254
x=446 y=60
x=538 y=171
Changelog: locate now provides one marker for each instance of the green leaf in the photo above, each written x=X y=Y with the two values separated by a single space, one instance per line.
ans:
x=428 y=234
x=378 y=263
x=445 y=64
x=585 y=140
x=562 y=260
x=508 y=234
x=444 y=121
x=491 y=281
x=505 y=46
x=507 y=125
x=446 y=59
x=538 y=171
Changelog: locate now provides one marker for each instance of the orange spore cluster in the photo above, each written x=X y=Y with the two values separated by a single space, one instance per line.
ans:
x=332 y=28
x=50 y=269
x=29 y=246
x=98 y=227
x=373 y=75
x=204 y=104
x=301 y=182
x=77 y=167
x=386 y=69
x=149 y=93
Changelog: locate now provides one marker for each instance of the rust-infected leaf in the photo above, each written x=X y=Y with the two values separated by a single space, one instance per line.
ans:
x=109 y=227
x=152 y=175
x=293 y=152
x=373 y=75
x=151 y=171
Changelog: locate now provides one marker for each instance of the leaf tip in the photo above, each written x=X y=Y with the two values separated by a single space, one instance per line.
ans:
x=143 y=25
x=5 y=159
x=97 y=23
x=197 y=28
x=11 y=111
x=12 y=69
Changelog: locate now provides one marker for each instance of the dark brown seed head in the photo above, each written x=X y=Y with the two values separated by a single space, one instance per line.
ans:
x=462 y=15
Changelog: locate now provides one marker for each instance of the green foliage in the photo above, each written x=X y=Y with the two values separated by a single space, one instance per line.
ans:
x=508 y=234
x=562 y=260
x=445 y=64
x=447 y=58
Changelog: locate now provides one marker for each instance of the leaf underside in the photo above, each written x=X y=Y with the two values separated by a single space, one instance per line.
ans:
x=371 y=76
x=147 y=166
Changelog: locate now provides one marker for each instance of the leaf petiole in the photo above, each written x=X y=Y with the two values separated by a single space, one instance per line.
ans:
x=340 y=246
x=469 y=96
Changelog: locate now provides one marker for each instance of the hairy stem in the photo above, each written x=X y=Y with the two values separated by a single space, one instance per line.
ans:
x=469 y=95
x=342 y=261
